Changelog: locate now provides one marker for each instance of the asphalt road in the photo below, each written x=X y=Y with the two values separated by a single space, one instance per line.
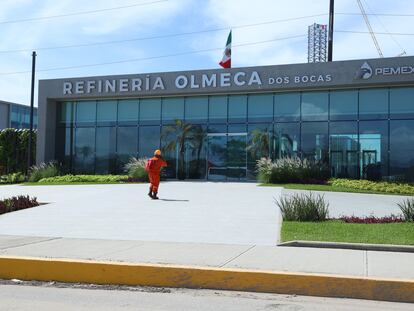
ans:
x=45 y=297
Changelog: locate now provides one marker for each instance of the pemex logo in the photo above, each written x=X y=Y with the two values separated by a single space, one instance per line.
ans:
x=365 y=72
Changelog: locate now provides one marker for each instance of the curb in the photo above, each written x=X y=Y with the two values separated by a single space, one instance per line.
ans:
x=356 y=246
x=119 y=273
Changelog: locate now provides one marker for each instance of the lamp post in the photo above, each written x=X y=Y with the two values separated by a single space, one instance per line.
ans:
x=30 y=158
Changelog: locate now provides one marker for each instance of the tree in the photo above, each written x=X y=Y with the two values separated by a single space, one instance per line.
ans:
x=176 y=136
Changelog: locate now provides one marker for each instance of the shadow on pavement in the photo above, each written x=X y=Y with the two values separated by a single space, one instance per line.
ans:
x=172 y=200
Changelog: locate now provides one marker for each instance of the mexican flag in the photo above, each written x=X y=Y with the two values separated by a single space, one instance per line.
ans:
x=226 y=61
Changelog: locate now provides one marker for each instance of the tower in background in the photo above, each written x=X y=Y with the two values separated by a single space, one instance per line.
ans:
x=317 y=39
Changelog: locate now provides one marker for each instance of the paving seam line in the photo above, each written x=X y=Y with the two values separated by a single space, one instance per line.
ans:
x=120 y=250
x=237 y=256
x=176 y=276
x=31 y=243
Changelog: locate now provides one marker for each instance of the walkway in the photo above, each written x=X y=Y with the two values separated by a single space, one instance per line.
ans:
x=200 y=212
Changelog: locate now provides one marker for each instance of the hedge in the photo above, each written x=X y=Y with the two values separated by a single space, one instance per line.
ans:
x=14 y=144
x=380 y=186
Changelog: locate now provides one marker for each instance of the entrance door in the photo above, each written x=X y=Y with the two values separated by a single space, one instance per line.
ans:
x=227 y=156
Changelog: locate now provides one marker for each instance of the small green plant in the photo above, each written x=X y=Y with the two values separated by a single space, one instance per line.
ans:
x=136 y=169
x=43 y=170
x=304 y=207
x=407 y=208
x=14 y=178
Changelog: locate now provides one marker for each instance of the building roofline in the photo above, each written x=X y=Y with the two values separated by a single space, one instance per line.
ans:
x=220 y=69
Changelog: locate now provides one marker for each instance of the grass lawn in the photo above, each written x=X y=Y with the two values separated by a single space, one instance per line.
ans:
x=327 y=188
x=338 y=231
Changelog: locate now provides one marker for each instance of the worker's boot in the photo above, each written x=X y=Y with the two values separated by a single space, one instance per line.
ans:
x=150 y=193
x=154 y=196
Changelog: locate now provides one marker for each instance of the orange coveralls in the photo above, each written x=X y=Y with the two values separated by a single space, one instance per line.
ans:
x=154 y=173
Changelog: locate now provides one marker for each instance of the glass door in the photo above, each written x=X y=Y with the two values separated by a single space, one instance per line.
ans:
x=217 y=156
x=227 y=156
x=236 y=156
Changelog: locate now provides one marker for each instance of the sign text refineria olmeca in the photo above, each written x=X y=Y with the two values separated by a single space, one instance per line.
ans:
x=150 y=83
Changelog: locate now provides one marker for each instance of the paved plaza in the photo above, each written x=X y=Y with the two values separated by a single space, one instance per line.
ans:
x=197 y=212
x=230 y=213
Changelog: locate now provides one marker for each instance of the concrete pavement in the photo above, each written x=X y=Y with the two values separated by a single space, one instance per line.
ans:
x=199 y=212
x=271 y=258
x=47 y=297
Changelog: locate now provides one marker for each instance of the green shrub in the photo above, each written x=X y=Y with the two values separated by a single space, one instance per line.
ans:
x=304 y=207
x=136 y=169
x=292 y=170
x=407 y=208
x=380 y=186
x=14 y=150
x=43 y=170
x=14 y=178
x=84 y=178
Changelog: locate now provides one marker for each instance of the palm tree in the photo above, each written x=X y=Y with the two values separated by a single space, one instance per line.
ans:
x=177 y=135
x=259 y=144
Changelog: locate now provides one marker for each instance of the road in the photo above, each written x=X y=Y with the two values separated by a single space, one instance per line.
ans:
x=46 y=296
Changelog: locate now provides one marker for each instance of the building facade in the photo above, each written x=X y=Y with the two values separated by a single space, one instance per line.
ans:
x=355 y=116
x=17 y=116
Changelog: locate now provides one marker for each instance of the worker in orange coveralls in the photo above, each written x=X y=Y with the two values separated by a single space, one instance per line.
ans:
x=153 y=167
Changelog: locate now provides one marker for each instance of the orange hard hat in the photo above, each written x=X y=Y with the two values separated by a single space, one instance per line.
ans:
x=157 y=152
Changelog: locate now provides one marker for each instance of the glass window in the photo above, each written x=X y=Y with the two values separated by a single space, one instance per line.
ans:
x=373 y=104
x=260 y=108
x=84 y=159
x=128 y=111
x=105 y=150
x=65 y=112
x=15 y=116
x=237 y=108
x=196 y=153
x=373 y=140
x=127 y=140
x=402 y=103
x=315 y=106
x=196 y=109
x=217 y=152
x=63 y=147
x=150 y=111
x=286 y=140
x=85 y=112
x=343 y=139
x=259 y=145
x=149 y=140
x=402 y=150
x=343 y=105
x=314 y=141
x=218 y=109
x=106 y=111
x=170 y=146
x=172 y=109
x=287 y=107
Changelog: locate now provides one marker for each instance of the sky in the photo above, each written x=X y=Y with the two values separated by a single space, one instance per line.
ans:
x=207 y=21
